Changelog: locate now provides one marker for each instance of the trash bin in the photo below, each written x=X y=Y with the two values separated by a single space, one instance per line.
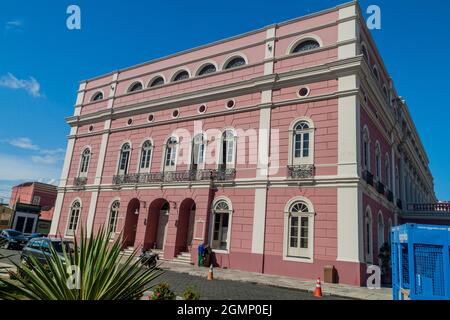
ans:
x=207 y=256
x=200 y=253
x=329 y=274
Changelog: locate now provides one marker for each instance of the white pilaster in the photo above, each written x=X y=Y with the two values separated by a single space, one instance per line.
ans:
x=101 y=157
x=259 y=213
x=349 y=199
x=347 y=31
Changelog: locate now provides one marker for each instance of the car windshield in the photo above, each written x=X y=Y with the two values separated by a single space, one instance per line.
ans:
x=58 y=246
x=13 y=233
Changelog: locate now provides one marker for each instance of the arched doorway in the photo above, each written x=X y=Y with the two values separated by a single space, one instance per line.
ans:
x=131 y=221
x=185 y=226
x=156 y=229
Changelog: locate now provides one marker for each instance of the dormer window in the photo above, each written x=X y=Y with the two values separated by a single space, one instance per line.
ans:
x=136 y=86
x=235 y=62
x=97 y=96
x=306 y=45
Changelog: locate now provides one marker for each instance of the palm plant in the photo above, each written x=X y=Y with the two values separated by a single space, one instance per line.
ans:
x=101 y=273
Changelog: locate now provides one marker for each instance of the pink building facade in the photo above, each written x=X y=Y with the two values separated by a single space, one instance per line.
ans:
x=286 y=149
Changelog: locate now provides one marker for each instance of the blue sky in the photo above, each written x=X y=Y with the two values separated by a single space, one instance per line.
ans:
x=42 y=62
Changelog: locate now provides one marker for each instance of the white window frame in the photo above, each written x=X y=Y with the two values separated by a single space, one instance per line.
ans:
x=211 y=224
x=368 y=236
x=200 y=165
x=291 y=153
x=378 y=166
x=387 y=170
x=126 y=170
x=110 y=209
x=72 y=233
x=286 y=235
x=380 y=235
x=82 y=174
x=36 y=200
x=301 y=39
x=174 y=153
x=228 y=164
x=139 y=168
x=366 y=138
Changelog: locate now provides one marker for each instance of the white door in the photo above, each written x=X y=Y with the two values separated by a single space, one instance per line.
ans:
x=162 y=227
x=299 y=236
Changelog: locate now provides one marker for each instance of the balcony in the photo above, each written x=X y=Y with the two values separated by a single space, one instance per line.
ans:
x=380 y=187
x=305 y=171
x=368 y=177
x=175 y=176
x=79 y=182
x=443 y=207
x=390 y=196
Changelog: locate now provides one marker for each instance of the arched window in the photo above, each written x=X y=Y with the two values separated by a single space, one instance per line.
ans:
x=135 y=86
x=113 y=218
x=182 y=75
x=366 y=149
x=84 y=163
x=171 y=153
x=221 y=225
x=146 y=155
x=158 y=81
x=124 y=159
x=377 y=161
x=397 y=183
x=227 y=150
x=302 y=143
x=299 y=230
x=198 y=151
x=368 y=236
x=97 y=96
x=365 y=53
x=74 y=216
x=375 y=73
x=385 y=92
x=380 y=230
x=208 y=68
x=235 y=62
x=387 y=171
x=306 y=45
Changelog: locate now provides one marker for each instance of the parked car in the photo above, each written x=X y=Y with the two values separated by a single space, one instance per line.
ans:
x=35 y=235
x=39 y=248
x=12 y=239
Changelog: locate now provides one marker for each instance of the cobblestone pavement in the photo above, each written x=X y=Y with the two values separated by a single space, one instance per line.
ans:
x=231 y=290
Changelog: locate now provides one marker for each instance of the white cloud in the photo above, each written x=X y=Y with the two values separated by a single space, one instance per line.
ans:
x=31 y=86
x=23 y=143
x=47 y=159
x=21 y=168
x=14 y=24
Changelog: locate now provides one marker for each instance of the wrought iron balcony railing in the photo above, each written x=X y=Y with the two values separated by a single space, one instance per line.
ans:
x=175 y=176
x=443 y=207
x=368 y=177
x=380 y=187
x=304 y=171
x=79 y=181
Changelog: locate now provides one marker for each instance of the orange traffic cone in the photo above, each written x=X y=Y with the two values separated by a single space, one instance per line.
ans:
x=210 y=273
x=318 y=291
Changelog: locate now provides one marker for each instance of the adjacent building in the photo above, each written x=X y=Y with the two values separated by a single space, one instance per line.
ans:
x=33 y=204
x=286 y=149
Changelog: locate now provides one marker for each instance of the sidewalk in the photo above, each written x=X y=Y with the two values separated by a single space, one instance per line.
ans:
x=339 y=290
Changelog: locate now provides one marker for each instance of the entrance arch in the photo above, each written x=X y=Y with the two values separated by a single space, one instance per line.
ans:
x=131 y=221
x=157 y=220
x=185 y=226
